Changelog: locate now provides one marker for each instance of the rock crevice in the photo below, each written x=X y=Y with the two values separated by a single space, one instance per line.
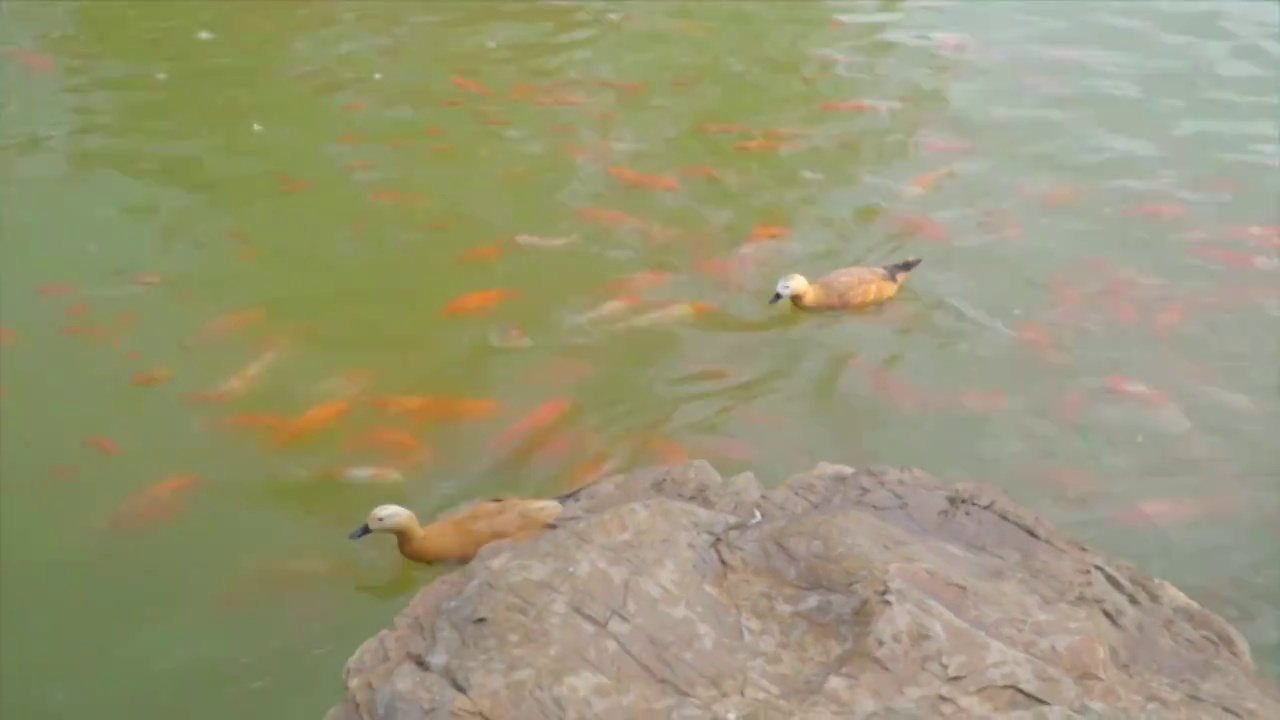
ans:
x=843 y=593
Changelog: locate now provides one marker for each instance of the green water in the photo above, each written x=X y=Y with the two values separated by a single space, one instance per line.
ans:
x=175 y=138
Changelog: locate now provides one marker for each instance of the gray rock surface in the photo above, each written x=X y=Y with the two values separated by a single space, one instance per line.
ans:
x=869 y=593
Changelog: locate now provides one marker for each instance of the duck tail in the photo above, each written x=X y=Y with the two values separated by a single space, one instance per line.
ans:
x=901 y=268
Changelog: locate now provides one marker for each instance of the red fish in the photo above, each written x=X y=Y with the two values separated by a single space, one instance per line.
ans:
x=228 y=323
x=484 y=252
x=473 y=303
x=436 y=407
x=152 y=505
x=469 y=85
x=632 y=178
x=103 y=444
x=153 y=377
x=541 y=417
x=315 y=419
x=607 y=216
x=858 y=105
x=1156 y=212
x=768 y=232
x=31 y=60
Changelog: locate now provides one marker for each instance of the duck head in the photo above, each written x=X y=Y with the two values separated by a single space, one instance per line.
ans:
x=789 y=286
x=386 y=518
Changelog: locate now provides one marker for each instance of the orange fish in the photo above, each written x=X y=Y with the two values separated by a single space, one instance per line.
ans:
x=228 y=323
x=768 y=232
x=759 y=144
x=540 y=418
x=436 y=407
x=723 y=128
x=315 y=419
x=630 y=177
x=55 y=289
x=473 y=303
x=243 y=378
x=1135 y=389
x=669 y=313
x=858 y=105
x=154 y=377
x=484 y=252
x=153 y=504
x=607 y=216
x=592 y=469
x=469 y=85
x=668 y=452
x=7 y=336
x=643 y=280
x=926 y=182
x=608 y=308
x=919 y=225
x=102 y=444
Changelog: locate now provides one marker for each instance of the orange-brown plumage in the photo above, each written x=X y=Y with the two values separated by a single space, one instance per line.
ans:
x=457 y=537
x=850 y=288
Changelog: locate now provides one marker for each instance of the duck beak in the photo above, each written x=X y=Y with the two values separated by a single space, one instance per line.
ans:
x=360 y=532
x=776 y=297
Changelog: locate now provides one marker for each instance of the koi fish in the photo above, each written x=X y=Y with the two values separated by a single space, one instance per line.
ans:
x=469 y=85
x=859 y=105
x=768 y=232
x=544 y=242
x=103 y=444
x=669 y=313
x=228 y=323
x=7 y=336
x=315 y=419
x=433 y=407
x=484 y=252
x=153 y=504
x=640 y=281
x=759 y=144
x=606 y=309
x=367 y=474
x=540 y=418
x=243 y=378
x=926 y=182
x=607 y=216
x=723 y=128
x=632 y=178
x=473 y=303
x=153 y=377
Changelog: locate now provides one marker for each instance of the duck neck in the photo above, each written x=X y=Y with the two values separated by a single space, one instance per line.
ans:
x=408 y=536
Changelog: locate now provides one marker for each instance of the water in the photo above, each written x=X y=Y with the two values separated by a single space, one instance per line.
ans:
x=314 y=160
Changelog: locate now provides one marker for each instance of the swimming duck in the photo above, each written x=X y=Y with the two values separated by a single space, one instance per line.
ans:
x=848 y=288
x=456 y=538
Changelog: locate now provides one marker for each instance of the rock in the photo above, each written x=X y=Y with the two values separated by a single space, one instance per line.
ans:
x=873 y=593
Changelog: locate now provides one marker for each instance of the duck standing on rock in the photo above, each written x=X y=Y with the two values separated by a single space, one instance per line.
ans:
x=456 y=538
x=850 y=288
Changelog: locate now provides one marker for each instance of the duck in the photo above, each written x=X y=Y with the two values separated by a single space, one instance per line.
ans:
x=850 y=288
x=457 y=537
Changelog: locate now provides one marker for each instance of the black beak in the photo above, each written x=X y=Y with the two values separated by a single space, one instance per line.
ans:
x=776 y=297
x=360 y=532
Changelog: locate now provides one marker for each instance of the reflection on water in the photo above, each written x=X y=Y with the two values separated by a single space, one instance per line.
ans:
x=266 y=265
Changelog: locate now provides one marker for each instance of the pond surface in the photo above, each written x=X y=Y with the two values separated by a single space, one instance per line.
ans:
x=218 y=215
